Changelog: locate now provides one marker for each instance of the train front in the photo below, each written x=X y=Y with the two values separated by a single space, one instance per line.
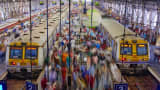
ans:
x=133 y=55
x=22 y=57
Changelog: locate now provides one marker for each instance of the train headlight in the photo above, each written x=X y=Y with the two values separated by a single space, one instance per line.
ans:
x=33 y=63
x=145 y=59
x=123 y=59
x=13 y=63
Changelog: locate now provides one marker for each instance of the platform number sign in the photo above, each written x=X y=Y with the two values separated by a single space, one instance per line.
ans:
x=3 y=85
x=121 y=86
x=30 y=86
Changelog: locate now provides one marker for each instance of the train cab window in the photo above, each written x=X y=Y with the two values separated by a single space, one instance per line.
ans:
x=15 y=52
x=142 y=49
x=126 y=49
x=31 y=53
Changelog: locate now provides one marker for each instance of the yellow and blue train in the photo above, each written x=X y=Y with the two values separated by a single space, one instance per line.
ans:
x=130 y=52
x=21 y=51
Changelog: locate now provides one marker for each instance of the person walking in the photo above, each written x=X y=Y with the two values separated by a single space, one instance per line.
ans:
x=53 y=75
x=44 y=83
x=97 y=75
x=64 y=72
x=75 y=74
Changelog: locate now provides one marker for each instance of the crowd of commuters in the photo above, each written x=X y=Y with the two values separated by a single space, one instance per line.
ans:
x=86 y=62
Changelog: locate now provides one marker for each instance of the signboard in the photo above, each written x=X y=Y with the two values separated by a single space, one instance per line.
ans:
x=3 y=85
x=41 y=3
x=122 y=86
x=30 y=86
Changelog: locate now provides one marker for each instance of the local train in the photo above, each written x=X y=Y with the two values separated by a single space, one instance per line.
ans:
x=22 y=52
x=130 y=52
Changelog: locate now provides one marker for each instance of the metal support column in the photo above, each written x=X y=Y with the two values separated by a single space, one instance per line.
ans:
x=60 y=18
x=143 y=13
x=47 y=43
x=158 y=18
x=30 y=11
x=69 y=47
x=92 y=12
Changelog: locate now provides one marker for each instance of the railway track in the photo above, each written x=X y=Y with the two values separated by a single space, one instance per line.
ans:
x=17 y=81
x=14 y=84
x=141 y=82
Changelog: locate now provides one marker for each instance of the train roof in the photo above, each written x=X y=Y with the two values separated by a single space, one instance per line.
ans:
x=39 y=33
x=116 y=30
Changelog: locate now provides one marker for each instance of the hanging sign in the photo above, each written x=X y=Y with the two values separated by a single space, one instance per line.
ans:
x=62 y=3
x=41 y=3
x=54 y=2
x=122 y=86
x=30 y=86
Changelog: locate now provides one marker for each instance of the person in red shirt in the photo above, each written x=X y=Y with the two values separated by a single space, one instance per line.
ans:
x=91 y=80
x=64 y=72
x=103 y=46
x=44 y=83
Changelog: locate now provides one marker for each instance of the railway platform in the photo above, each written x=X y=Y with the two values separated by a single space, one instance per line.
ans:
x=3 y=71
x=83 y=54
x=154 y=69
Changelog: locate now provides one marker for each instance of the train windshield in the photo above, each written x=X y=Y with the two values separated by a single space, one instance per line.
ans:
x=16 y=52
x=142 y=49
x=126 y=49
x=31 y=53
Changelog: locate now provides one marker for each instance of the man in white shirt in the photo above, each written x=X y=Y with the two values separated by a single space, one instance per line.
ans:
x=73 y=43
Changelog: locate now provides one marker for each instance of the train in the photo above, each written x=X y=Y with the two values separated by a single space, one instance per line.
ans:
x=22 y=53
x=130 y=52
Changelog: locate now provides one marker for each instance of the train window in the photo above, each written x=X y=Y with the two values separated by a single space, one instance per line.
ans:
x=16 y=52
x=126 y=49
x=31 y=53
x=142 y=49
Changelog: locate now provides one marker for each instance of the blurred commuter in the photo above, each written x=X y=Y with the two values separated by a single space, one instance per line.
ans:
x=106 y=77
x=64 y=72
x=64 y=86
x=17 y=33
x=53 y=76
x=75 y=76
x=91 y=76
x=58 y=68
x=64 y=56
x=101 y=58
x=2 y=52
x=44 y=83
x=97 y=76
x=156 y=54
